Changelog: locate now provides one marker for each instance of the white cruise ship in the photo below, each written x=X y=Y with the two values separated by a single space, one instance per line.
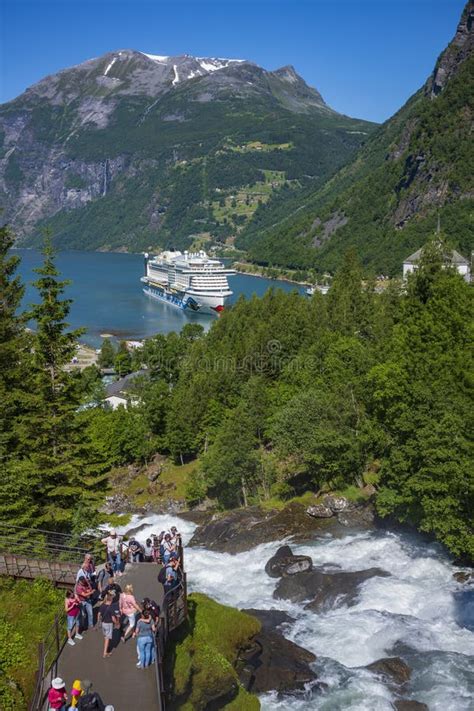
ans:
x=187 y=280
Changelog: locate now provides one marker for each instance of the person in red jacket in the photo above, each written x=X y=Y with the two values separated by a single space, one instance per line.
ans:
x=57 y=695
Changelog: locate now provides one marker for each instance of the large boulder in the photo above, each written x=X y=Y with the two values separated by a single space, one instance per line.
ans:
x=392 y=669
x=323 y=590
x=270 y=619
x=243 y=529
x=410 y=705
x=284 y=562
x=336 y=503
x=273 y=663
x=319 y=511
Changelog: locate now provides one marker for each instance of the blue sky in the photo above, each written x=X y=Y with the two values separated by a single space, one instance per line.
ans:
x=366 y=57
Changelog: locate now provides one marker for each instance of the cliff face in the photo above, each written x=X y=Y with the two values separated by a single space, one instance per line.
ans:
x=137 y=147
x=413 y=169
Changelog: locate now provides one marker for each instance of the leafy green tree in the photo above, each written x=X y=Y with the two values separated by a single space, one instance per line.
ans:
x=422 y=396
x=123 y=360
x=106 y=357
x=230 y=464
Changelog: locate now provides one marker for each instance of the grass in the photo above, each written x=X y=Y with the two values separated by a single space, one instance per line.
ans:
x=27 y=610
x=203 y=669
x=171 y=483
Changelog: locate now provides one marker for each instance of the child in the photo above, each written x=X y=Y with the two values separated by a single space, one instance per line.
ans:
x=76 y=692
x=57 y=695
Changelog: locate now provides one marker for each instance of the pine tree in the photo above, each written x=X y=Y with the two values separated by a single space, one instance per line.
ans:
x=13 y=345
x=55 y=455
x=17 y=505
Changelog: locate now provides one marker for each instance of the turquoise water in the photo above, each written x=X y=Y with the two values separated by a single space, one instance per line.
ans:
x=108 y=298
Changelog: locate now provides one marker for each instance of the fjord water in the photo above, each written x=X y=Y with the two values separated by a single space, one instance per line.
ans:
x=108 y=298
x=419 y=612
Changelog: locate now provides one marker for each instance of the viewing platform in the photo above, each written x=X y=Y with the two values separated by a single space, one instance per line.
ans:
x=117 y=678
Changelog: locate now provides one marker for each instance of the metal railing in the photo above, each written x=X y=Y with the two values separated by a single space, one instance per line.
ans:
x=43 y=545
x=174 y=612
x=49 y=651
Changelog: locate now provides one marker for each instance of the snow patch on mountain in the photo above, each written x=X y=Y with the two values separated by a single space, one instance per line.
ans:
x=109 y=66
x=161 y=59
x=176 y=75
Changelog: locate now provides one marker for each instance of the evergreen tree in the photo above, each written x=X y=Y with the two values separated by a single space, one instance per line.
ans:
x=17 y=505
x=55 y=454
x=14 y=350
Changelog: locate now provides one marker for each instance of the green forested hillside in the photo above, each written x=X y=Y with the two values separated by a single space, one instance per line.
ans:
x=283 y=395
x=414 y=169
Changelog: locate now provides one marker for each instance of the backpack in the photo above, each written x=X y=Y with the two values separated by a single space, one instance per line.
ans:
x=90 y=702
x=162 y=576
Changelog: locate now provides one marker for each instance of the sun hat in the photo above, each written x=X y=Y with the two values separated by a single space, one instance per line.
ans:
x=113 y=531
x=57 y=683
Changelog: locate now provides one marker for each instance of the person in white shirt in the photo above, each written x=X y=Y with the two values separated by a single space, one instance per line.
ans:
x=113 y=545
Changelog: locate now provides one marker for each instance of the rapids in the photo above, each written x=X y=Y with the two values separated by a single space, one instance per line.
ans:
x=419 y=612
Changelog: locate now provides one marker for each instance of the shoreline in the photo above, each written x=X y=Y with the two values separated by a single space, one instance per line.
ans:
x=259 y=275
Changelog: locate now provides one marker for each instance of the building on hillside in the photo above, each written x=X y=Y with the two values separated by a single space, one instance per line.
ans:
x=454 y=259
x=119 y=392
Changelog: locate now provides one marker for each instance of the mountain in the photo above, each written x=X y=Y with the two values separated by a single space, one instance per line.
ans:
x=131 y=150
x=414 y=170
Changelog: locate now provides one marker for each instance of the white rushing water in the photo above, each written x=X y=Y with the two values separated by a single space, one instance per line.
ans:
x=417 y=610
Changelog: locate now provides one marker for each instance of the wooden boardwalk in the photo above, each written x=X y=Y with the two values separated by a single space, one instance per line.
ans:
x=117 y=678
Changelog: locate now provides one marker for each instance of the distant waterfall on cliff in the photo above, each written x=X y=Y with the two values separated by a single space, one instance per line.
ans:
x=105 y=177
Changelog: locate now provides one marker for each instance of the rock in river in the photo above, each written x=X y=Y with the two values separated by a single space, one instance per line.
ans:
x=243 y=529
x=273 y=662
x=324 y=589
x=410 y=705
x=284 y=562
x=392 y=669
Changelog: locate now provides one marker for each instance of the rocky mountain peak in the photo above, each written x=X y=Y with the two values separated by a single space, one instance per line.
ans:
x=458 y=50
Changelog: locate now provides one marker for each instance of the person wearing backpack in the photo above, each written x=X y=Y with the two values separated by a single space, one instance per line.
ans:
x=90 y=700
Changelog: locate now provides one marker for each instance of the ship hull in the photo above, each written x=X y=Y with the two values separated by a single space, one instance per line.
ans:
x=209 y=304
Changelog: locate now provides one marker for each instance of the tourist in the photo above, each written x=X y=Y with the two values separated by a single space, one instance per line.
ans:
x=85 y=592
x=72 y=606
x=108 y=620
x=135 y=550
x=171 y=574
x=152 y=607
x=144 y=632
x=112 y=586
x=129 y=608
x=113 y=544
x=57 y=695
x=148 y=551
x=168 y=548
x=175 y=536
x=155 y=542
x=90 y=700
x=76 y=693
x=103 y=577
